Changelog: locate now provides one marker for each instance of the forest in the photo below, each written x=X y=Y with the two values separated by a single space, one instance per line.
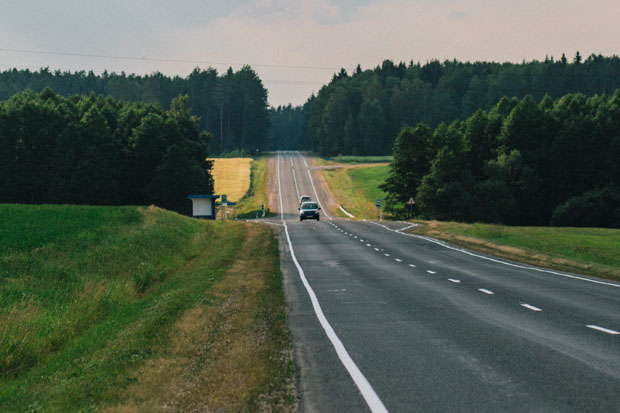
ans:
x=232 y=107
x=362 y=112
x=90 y=149
x=552 y=162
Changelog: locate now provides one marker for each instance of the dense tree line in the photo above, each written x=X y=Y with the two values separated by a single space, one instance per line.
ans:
x=288 y=128
x=232 y=107
x=522 y=163
x=362 y=112
x=97 y=150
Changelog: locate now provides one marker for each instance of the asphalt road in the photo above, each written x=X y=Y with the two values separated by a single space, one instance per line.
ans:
x=403 y=323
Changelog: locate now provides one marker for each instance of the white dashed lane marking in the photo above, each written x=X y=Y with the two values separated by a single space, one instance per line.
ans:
x=431 y=272
x=387 y=255
x=412 y=265
x=484 y=290
x=530 y=307
x=454 y=281
x=376 y=249
x=398 y=259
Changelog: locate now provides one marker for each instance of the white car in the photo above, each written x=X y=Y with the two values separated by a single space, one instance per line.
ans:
x=304 y=198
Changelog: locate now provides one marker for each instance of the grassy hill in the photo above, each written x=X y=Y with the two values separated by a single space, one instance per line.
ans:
x=592 y=251
x=357 y=187
x=95 y=300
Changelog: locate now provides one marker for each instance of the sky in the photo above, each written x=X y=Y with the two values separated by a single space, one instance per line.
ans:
x=296 y=46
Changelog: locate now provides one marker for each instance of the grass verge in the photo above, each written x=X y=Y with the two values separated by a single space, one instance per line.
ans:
x=91 y=296
x=591 y=251
x=357 y=188
x=362 y=159
x=250 y=205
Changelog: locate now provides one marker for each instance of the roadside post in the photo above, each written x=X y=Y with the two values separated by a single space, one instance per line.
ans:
x=262 y=207
x=378 y=203
x=411 y=203
x=224 y=204
x=232 y=204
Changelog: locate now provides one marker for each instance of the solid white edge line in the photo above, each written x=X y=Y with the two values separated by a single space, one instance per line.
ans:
x=264 y=222
x=484 y=290
x=443 y=244
x=603 y=329
x=530 y=307
x=350 y=215
x=316 y=194
x=368 y=393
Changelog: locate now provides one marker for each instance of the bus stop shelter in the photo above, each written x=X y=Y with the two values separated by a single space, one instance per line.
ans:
x=203 y=206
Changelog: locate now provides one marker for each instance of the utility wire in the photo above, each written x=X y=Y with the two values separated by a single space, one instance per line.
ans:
x=155 y=59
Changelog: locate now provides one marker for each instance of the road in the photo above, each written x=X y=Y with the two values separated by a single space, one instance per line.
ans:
x=385 y=321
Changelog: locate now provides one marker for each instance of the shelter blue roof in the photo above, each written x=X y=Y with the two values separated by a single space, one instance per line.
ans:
x=203 y=196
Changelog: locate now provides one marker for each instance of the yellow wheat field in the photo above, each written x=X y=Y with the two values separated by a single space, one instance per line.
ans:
x=231 y=176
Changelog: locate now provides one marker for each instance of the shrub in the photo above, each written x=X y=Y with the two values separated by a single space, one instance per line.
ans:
x=596 y=208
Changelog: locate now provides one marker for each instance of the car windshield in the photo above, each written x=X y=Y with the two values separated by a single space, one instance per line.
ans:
x=309 y=205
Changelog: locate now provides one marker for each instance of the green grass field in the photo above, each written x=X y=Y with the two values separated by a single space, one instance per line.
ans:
x=593 y=251
x=89 y=294
x=357 y=188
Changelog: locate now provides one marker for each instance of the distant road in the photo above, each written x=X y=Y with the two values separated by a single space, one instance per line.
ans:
x=402 y=323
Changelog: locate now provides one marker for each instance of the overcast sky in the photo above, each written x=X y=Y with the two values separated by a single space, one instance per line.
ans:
x=296 y=46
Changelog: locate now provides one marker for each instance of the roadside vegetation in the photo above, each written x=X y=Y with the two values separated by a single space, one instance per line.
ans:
x=357 y=188
x=139 y=308
x=591 y=251
x=256 y=196
x=361 y=159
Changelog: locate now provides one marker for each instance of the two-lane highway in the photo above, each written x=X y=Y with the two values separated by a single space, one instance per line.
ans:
x=383 y=320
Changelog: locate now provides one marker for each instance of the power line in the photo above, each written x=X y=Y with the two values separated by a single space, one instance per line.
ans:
x=155 y=59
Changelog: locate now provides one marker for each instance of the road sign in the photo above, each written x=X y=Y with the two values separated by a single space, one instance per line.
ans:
x=378 y=203
x=411 y=201
x=224 y=200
